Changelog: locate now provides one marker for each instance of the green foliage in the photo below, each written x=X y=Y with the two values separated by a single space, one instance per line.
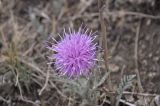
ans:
x=86 y=88
x=125 y=83
x=24 y=76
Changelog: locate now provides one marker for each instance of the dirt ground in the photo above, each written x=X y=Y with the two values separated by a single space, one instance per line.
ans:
x=133 y=38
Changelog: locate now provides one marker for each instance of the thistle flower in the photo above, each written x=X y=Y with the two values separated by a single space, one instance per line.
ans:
x=75 y=53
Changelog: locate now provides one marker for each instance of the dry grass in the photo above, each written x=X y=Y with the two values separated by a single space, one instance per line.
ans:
x=26 y=78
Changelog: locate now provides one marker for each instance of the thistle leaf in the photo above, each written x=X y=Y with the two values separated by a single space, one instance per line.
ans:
x=125 y=83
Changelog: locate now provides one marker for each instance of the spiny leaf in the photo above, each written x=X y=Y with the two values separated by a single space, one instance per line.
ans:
x=125 y=83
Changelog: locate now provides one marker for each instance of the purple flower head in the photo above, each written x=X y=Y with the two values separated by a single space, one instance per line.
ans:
x=75 y=54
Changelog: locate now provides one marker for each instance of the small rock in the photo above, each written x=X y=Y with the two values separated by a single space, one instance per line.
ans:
x=157 y=100
x=113 y=68
x=152 y=74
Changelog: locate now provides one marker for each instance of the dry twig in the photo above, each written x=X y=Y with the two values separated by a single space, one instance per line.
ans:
x=103 y=44
x=17 y=83
x=4 y=40
x=46 y=82
x=3 y=99
x=136 y=58
x=87 y=2
x=124 y=13
x=132 y=93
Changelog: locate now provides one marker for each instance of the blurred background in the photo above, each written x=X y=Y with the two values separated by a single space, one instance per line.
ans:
x=133 y=38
